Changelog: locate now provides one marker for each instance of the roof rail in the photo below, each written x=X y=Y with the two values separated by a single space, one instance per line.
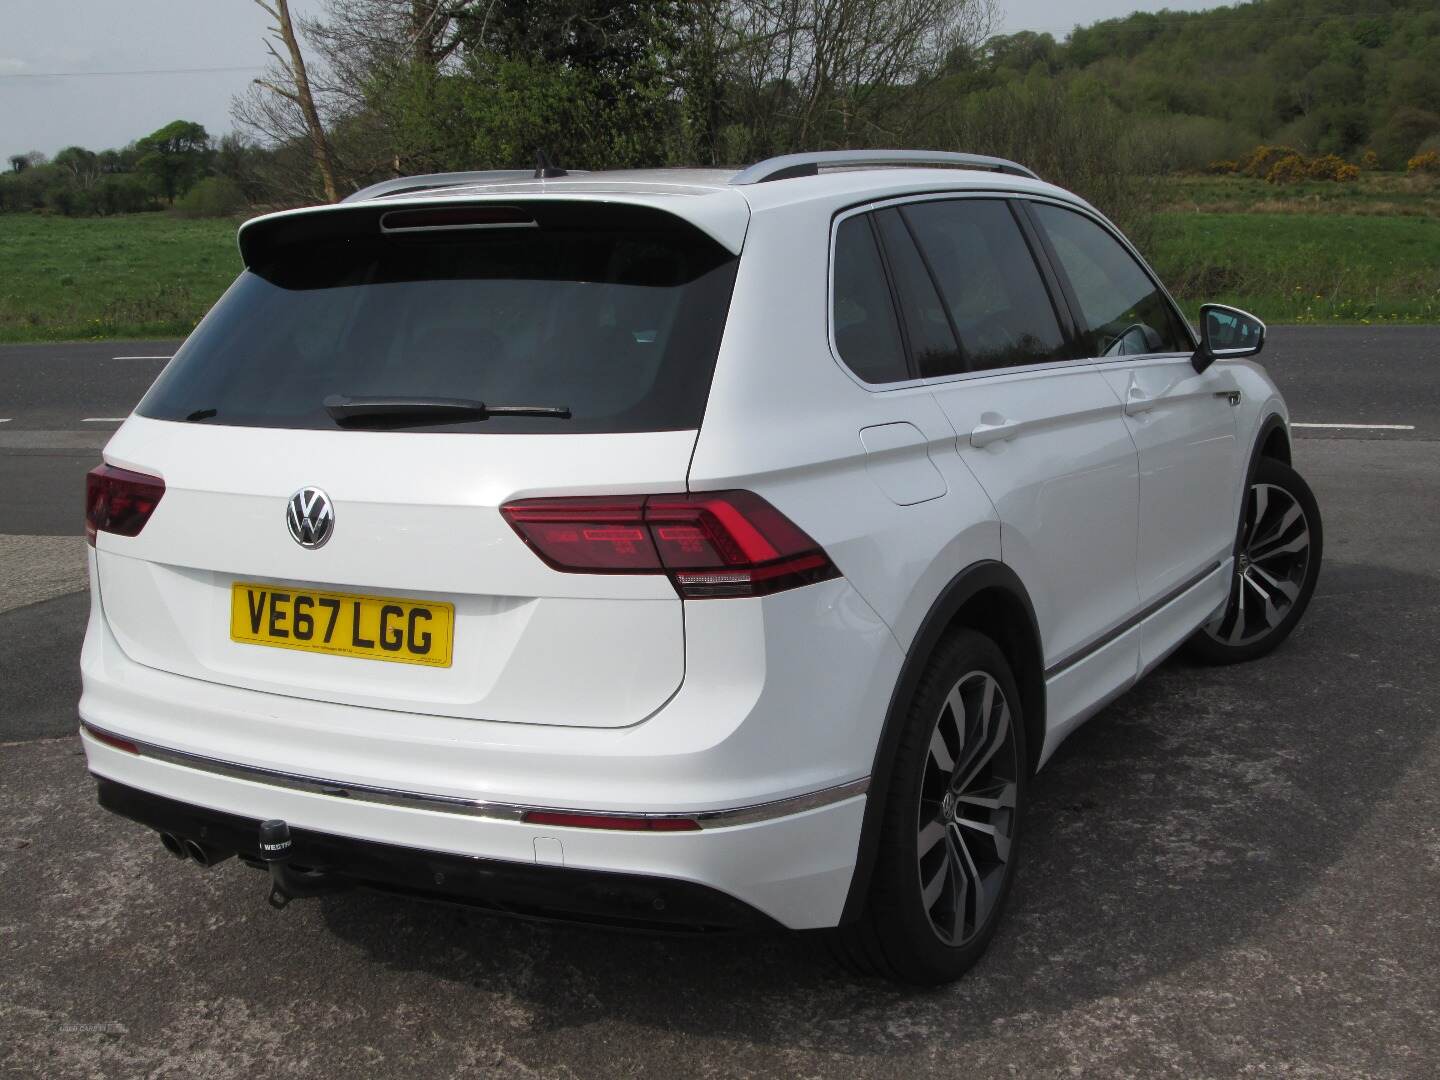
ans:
x=406 y=184
x=793 y=165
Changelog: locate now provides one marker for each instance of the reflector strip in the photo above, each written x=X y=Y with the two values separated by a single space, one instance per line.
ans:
x=610 y=821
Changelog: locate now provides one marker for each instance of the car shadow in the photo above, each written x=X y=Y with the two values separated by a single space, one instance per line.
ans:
x=1176 y=824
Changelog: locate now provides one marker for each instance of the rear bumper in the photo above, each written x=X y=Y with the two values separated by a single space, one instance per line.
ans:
x=782 y=699
x=793 y=870
x=620 y=901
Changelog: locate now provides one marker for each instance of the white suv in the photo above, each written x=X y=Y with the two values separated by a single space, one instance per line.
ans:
x=674 y=549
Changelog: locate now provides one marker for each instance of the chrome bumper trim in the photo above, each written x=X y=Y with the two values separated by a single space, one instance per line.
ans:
x=450 y=804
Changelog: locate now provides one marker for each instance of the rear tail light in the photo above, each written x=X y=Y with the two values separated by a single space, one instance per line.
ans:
x=119 y=501
x=713 y=544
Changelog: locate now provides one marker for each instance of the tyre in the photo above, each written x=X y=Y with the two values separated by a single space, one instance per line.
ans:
x=950 y=835
x=1277 y=561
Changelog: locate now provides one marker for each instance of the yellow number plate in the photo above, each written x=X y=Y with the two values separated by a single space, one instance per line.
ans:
x=371 y=627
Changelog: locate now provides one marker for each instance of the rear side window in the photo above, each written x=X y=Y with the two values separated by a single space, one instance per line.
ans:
x=867 y=335
x=615 y=313
x=932 y=338
x=1124 y=312
x=992 y=289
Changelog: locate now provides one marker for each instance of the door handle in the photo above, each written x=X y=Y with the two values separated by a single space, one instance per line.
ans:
x=993 y=428
x=1137 y=402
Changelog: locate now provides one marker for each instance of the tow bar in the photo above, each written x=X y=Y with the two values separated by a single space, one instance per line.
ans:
x=286 y=882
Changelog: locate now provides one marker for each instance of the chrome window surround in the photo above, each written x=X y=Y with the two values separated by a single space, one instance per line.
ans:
x=478 y=808
x=965 y=376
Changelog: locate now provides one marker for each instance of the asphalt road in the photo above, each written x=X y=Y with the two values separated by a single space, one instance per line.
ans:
x=58 y=403
x=1229 y=871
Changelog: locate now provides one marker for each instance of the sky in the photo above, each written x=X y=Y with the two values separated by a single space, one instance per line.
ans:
x=51 y=50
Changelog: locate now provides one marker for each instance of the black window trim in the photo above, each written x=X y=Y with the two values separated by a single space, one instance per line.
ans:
x=1066 y=324
x=909 y=230
x=912 y=366
x=1082 y=327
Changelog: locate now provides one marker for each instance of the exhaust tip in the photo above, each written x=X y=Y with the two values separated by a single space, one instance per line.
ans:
x=174 y=845
x=206 y=855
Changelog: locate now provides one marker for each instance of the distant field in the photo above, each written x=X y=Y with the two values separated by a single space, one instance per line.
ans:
x=135 y=275
x=1363 y=252
x=1303 y=268
x=1314 y=253
x=1374 y=194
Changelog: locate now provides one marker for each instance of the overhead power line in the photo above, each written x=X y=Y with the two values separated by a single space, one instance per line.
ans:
x=1173 y=19
x=103 y=74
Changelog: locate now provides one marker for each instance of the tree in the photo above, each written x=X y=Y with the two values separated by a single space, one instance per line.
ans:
x=174 y=156
x=82 y=165
x=291 y=82
x=827 y=73
x=21 y=162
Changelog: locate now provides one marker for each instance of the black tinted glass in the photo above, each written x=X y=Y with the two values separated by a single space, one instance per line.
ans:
x=931 y=340
x=866 y=333
x=616 y=318
x=989 y=281
x=1124 y=312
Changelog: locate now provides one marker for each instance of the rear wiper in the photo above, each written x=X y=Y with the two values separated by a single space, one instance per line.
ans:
x=392 y=411
x=201 y=414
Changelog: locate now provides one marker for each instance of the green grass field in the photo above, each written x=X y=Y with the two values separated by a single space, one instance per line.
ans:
x=1303 y=268
x=1314 y=253
x=135 y=275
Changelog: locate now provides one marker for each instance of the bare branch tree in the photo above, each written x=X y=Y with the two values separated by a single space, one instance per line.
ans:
x=289 y=81
x=809 y=73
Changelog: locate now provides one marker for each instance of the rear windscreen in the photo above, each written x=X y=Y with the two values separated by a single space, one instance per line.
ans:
x=614 y=313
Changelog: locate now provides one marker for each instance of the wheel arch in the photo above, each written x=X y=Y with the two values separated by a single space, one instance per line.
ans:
x=1272 y=441
x=987 y=597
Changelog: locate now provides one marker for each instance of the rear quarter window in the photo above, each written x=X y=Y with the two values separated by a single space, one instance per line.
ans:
x=867 y=334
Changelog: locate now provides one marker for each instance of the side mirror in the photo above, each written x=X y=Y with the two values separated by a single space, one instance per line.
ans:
x=1226 y=333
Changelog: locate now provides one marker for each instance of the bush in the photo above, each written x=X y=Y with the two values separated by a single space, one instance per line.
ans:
x=1260 y=161
x=1179 y=142
x=1290 y=169
x=1331 y=167
x=1428 y=162
x=1222 y=168
x=62 y=200
x=122 y=194
x=215 y=196
x=1404 y=133
x=1370 y=161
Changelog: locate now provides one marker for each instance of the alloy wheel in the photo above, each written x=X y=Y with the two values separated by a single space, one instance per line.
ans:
x=1270 y=567
x=967 y=814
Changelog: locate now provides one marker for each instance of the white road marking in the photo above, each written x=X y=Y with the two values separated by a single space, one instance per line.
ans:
x=140 y=358
x=103 y=420
x=5 y=420
x=1361 y=427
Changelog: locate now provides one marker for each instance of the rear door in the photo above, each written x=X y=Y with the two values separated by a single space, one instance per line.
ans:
x=613 y=316
x=1043 y=435
x=1183 y=424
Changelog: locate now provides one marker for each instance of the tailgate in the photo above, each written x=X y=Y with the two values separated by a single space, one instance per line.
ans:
x=415 y=517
